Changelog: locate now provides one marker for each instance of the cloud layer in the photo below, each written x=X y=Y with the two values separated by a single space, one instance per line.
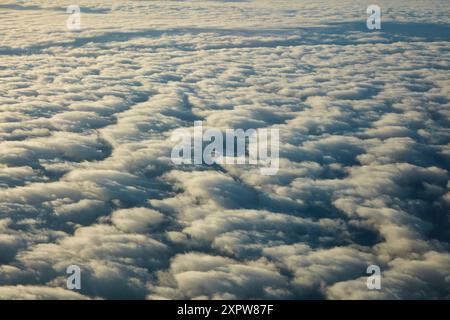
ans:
x=86 y=177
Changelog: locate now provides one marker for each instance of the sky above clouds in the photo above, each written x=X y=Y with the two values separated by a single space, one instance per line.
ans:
x=86 y=176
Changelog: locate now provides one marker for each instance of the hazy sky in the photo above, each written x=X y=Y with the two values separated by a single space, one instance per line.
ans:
x=86 y=176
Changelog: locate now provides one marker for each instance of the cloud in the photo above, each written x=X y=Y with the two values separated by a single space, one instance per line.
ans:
x=37 y=292
x=423 y=278
x=137 y=219
x=86 y=176
x=204 y=276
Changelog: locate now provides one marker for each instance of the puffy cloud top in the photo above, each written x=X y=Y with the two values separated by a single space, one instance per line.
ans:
x=86 y=177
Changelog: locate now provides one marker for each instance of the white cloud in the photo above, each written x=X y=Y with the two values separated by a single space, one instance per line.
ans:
x=85 y=171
